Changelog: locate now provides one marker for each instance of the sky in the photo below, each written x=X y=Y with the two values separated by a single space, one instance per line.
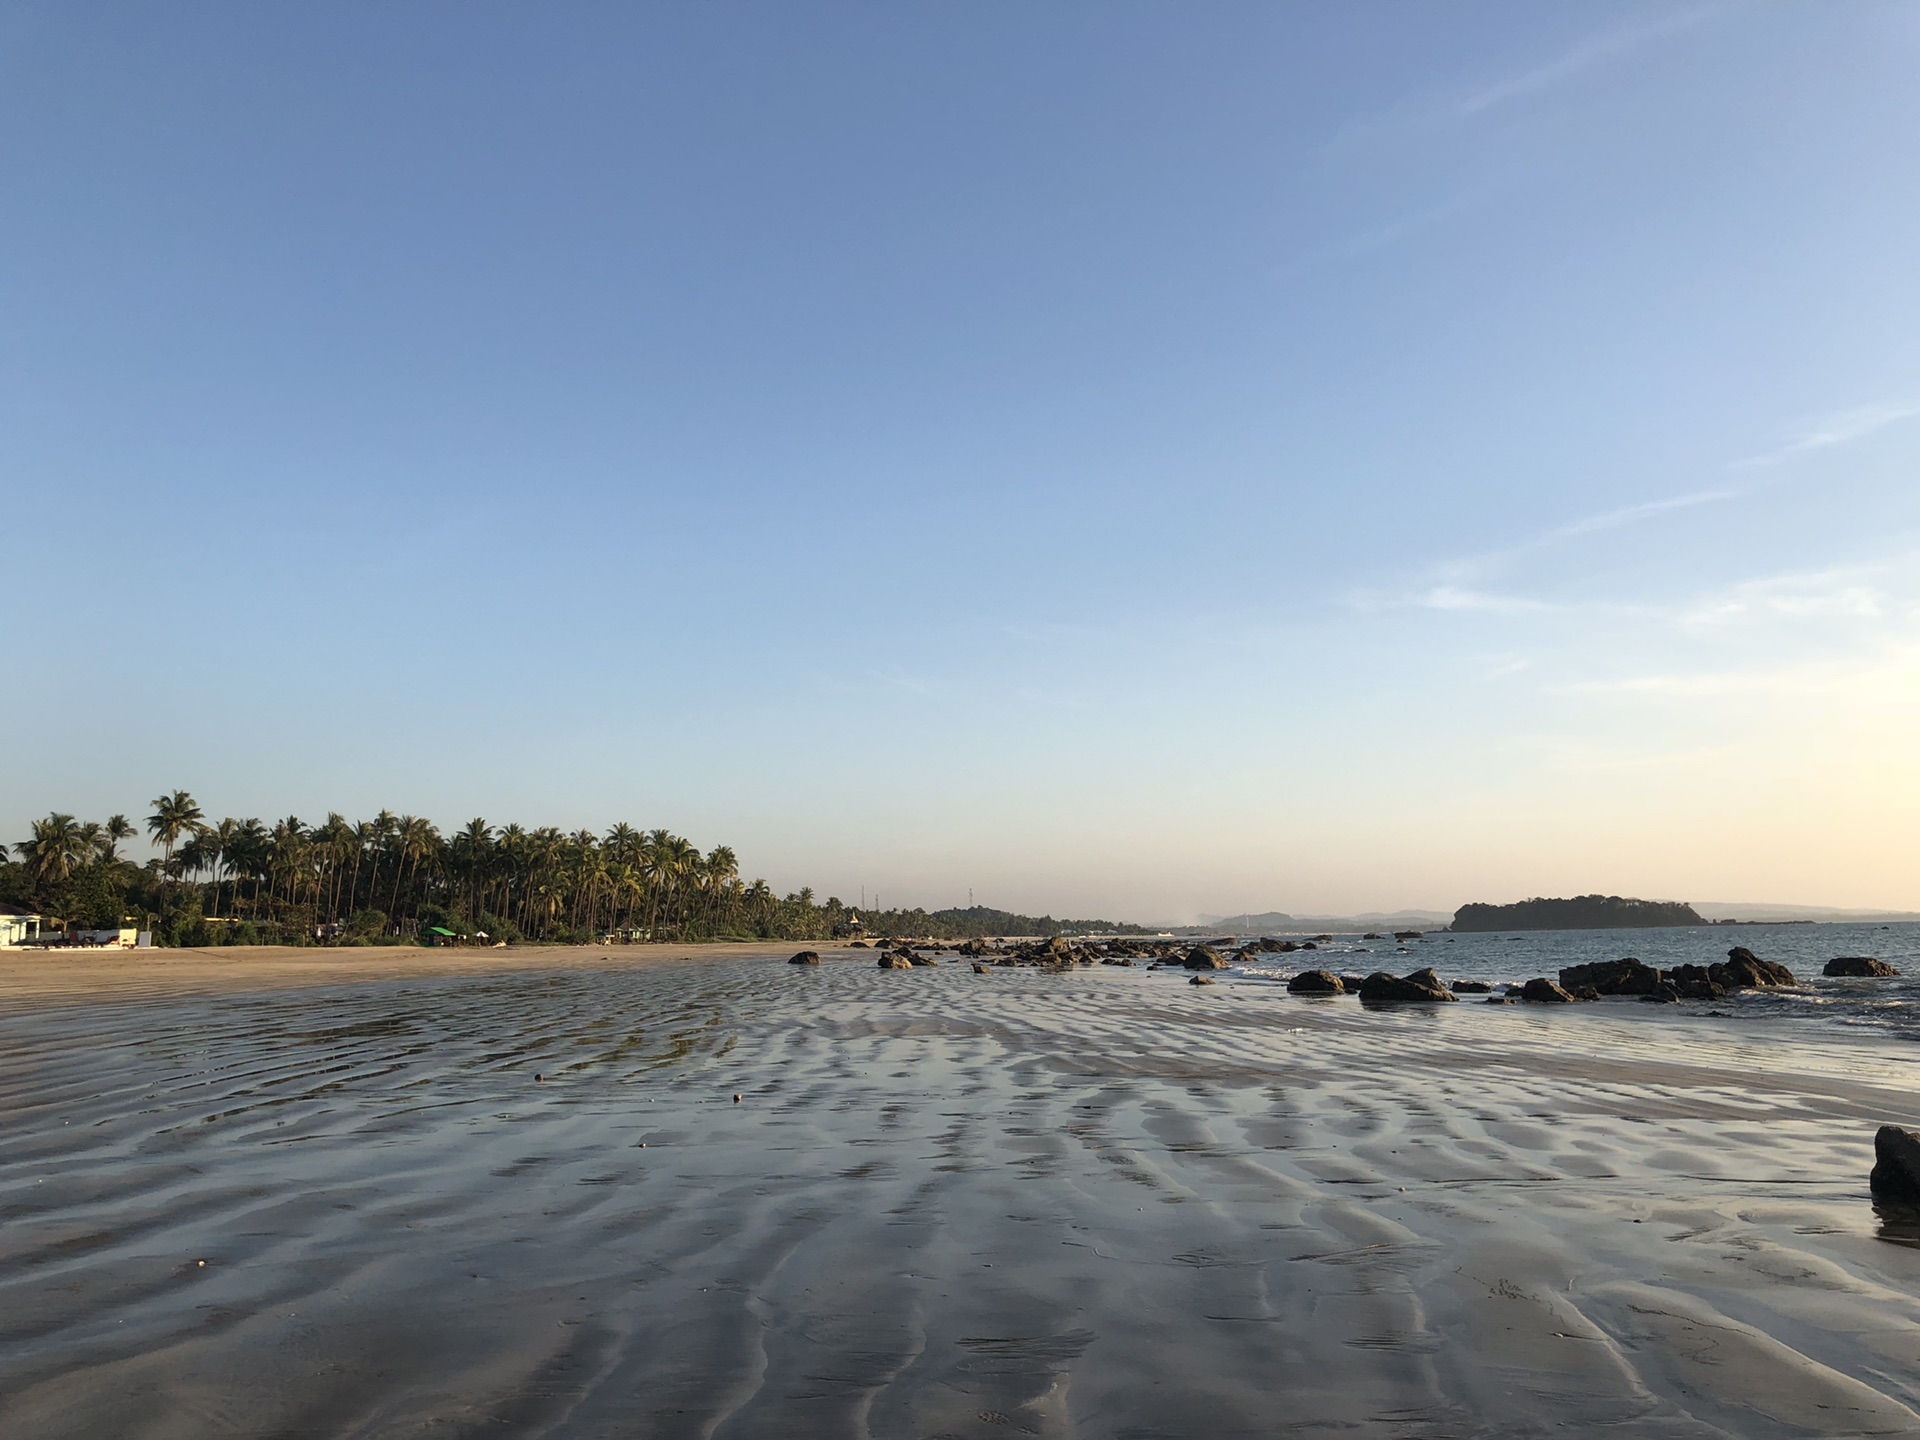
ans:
x=1128 y=459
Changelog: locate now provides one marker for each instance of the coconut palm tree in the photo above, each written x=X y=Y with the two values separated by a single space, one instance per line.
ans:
x=174 y=817
x=117 y=828
x=59 y=847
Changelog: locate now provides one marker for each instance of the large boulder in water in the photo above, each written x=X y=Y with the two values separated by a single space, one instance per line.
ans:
x=1316 y=982
x=1745 y=970
x=1858 y=967
x=1896 y=1166
x=891 y=961
x=1421 y=987
x=805 y=957
x=1613 y=977
x=1201 y=958
x=1543 y=990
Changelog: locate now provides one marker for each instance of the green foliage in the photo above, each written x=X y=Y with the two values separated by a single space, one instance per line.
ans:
x=391 y=879
x=1583 y=912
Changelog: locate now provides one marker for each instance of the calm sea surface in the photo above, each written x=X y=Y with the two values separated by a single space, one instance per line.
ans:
x=1890 y=1006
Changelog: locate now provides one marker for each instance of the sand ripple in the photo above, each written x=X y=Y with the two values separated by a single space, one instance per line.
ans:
x=948 y=1205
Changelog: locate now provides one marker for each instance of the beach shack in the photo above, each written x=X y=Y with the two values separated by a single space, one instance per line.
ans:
x=18 y=927
x=438 y=935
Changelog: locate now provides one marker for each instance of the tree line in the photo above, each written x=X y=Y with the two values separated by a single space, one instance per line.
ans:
x=399 y=879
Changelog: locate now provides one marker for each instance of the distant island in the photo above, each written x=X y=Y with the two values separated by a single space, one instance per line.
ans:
x=1583 y=912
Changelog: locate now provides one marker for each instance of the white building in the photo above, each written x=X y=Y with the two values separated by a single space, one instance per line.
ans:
x=17 y=927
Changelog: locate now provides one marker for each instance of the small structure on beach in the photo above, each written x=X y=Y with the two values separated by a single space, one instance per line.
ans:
x=18 y=927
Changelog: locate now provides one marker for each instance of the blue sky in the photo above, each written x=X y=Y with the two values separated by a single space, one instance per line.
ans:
x=1140 y=459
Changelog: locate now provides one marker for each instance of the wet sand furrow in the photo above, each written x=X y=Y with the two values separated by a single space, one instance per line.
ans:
x=946 y=1205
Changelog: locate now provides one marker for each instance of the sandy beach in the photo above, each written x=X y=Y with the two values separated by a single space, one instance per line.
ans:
x=324 y=1194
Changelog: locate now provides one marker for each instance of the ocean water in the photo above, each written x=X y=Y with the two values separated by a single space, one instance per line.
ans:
x=1888 y=1006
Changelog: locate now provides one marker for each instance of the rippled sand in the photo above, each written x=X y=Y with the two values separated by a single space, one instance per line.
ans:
x=1102 y=1204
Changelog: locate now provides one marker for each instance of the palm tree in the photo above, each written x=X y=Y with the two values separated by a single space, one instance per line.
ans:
x=58 y=848
x=175 y=816
x=117 y=828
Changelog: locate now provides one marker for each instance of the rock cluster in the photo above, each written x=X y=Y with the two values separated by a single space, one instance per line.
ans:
x=1742 y=970
x=1421 y=987
x=805 y=957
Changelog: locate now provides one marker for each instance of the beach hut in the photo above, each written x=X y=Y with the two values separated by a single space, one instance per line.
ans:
x=18 y=927
x=439 y=935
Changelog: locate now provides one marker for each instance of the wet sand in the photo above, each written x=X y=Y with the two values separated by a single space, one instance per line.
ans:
x=1102 y=1203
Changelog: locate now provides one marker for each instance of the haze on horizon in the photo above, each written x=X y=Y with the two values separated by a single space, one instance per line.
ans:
x=1139 y=461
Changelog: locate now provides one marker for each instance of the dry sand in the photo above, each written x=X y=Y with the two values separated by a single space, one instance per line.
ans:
x=1100 y=1204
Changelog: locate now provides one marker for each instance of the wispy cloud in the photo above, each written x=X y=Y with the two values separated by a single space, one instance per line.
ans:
x=1594 y=50
x=1646 y=510
x=1840 y=429
x=1456 y=597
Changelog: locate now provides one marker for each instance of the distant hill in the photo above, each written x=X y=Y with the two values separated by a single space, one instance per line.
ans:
x=975 y=922
x=1276 y=922
x=1760 y=912
x=1583 y=912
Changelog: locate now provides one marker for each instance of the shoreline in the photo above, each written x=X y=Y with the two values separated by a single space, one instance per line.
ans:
x=30 y=978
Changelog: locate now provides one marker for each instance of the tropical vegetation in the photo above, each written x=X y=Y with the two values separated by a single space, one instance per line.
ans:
x=399 y=879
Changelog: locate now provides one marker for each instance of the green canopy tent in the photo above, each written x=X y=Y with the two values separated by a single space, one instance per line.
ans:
x=439 y=935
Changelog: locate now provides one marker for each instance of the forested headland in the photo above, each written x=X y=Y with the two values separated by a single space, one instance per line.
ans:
x=1582 y=912
x=397 y=879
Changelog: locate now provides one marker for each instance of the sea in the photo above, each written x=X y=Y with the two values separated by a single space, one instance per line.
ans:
x=1888 y=1006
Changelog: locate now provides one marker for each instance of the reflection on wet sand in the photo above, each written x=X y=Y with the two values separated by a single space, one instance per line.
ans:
x=1097 y=1203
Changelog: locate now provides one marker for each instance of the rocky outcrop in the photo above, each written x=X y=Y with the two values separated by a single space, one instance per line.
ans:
x=1471 y=987
x=1858 y=967
x=1421 y=987
x=1745 y=970
x=891 y=961
x=1203 y=980
x=915 y=958
x=1896 y=1167
x=1408 y=935
x=805 y=957
x=1316 y=982
x=1201 y=958
x=1543 y=991
x=1613 y=977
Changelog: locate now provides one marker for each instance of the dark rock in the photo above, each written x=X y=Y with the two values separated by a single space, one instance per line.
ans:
x=1408 y=934
x=1201 y=958
x=1501 y=1000
x=1422 y=987
x=1745 y=970
x=884 y=943
x=1316 y=982
x=1472 y=987
x=859 y=945
x=1352 y=982
x=1612 y=977
x=1859 y=967
x=1203 y=980
x=890 y=961
x=805 y=957
x=1661 y=994
x=1543 y=990
x=1896 y=1166
x=1585 y=992
x=1373 y=935
x=1695 y=982
x=1285 y=947
x=980 y=969
x=921 y=959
